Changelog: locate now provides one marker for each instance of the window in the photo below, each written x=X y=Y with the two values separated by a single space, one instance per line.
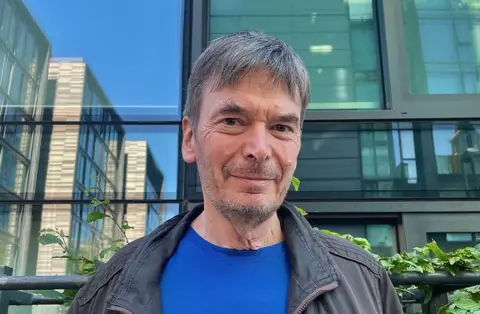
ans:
x=12 y=172
x=6 y=74
x=452 y=241
x=380 y=236
x=457 y=154
x=337 y=41
x=5 y=21
x=16 y=86
x=146 y=217
x=447 y=64
x=384 y=160
x=153 y=149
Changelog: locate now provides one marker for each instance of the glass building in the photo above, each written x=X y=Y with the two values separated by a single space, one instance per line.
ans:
x=77 y=163
x=390 y=146
x=24 y=57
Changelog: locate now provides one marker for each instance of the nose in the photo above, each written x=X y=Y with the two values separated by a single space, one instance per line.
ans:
x=257 y=147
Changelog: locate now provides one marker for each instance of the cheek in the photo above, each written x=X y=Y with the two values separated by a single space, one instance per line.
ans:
x=288 y=159
x=217 y=151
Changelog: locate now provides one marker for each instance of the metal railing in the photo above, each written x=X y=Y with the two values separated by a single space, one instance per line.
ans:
x=11 y=287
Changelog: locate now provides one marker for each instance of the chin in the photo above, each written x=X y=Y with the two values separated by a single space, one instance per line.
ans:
x=260 y=201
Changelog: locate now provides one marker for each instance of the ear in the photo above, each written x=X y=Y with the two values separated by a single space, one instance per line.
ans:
x=188 y=142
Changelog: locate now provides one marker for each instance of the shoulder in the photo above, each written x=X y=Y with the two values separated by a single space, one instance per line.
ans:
x=108 y=272
x=349 y=253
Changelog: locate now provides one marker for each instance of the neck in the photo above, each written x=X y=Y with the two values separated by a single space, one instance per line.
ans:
x=216 y=229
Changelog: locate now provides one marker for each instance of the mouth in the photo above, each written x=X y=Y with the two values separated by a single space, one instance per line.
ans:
x=254 y=180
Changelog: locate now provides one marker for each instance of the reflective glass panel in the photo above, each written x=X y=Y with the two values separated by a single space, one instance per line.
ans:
x=381 y=237
x=449 y=63
x=453 y=241
x=142 y=82
x=385 y=160
x=337 y=40
x=108 y=161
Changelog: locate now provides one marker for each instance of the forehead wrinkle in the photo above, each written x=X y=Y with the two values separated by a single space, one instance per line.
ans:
x=218 y=81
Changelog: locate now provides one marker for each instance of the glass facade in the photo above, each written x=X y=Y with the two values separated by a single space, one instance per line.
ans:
x=336 y=39
x=24 y=55
x=387 y=160
x=94 y=110
x=446 y=64
x=69 y=132
x=380 y=236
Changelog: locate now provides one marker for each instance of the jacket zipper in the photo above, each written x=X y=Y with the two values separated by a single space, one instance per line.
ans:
x=119 y=310
x=312 y=296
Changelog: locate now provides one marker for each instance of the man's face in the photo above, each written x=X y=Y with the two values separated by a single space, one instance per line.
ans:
x=246 y=145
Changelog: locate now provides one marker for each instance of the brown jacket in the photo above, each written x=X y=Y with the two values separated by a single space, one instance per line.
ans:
x=328 y=274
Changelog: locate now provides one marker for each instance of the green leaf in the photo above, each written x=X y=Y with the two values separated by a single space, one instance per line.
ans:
x=126 y=226
x=428 y=295
x=48 y=238
x=87 y=267
x=46 y=230
x=69 y=293
x=108 y=250
x=467 y=304
x=94 y=216
x=439 y=253
x=301 y=211
x=295 y=183
x=454 y=259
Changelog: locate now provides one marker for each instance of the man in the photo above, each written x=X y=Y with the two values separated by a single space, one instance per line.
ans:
x=244 y=250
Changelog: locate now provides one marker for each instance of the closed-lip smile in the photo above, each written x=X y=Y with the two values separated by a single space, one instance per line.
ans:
x=253 y=178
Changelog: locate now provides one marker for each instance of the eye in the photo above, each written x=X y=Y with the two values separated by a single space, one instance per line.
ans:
x=229 y=121
x=282 y=128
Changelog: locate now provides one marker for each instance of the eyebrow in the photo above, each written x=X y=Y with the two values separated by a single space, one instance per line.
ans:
x=229 y=107
x=289 y=118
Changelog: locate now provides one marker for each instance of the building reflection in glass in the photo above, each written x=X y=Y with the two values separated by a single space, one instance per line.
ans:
x=24 y=57
x=79 y=162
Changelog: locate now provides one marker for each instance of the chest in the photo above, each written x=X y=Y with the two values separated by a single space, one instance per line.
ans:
x=225 y=284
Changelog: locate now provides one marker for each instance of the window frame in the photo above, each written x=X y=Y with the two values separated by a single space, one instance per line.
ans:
x=418 y=225
x=399 y=103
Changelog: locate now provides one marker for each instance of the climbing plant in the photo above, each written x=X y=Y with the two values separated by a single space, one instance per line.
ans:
x=83 y=263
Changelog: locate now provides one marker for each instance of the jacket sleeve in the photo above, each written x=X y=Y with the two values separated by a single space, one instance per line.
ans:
x=76 y=309
x=390 y=301
x=96 y=304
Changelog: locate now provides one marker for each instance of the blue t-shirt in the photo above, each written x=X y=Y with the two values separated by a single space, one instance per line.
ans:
x=201 y=278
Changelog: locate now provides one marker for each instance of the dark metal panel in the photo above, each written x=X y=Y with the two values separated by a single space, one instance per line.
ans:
x=388 y=206
x=392 y=206
x=199 y=28
x=417 y=225
x=458 y=108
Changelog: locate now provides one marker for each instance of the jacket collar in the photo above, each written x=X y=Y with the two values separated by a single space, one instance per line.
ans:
x=138 y=288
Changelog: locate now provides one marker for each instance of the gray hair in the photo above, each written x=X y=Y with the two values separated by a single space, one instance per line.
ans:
x=229 y=58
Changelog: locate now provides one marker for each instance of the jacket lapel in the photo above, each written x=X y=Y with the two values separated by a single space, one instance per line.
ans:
x=313 y=271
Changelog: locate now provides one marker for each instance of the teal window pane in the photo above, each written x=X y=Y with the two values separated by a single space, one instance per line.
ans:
x=452 y=241
x=446 y=64
x=380 y=236
x=335 y=39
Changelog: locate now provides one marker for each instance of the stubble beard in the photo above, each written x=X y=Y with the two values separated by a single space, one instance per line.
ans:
x=242 y=216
